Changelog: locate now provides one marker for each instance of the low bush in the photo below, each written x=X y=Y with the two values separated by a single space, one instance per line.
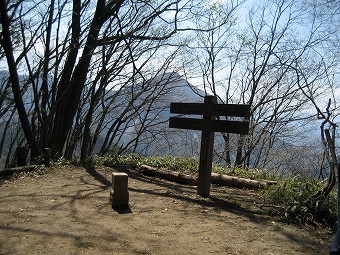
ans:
x=188 y=165
x=132 y=160
x=294 y=199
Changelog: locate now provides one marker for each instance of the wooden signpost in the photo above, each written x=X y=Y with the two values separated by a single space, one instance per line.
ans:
x=208 y=125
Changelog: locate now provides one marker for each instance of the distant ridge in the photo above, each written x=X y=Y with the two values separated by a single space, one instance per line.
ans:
x=159 y=139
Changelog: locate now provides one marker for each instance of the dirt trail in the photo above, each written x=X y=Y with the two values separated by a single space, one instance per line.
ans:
x=67 y=211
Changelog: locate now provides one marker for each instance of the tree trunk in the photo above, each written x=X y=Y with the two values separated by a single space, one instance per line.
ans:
x=10 y=171
x=5 y=134
x=226 y=138
x=64 y=85
x=46 y=123
x=239 y=159
x=6 y=43
x=65 y=113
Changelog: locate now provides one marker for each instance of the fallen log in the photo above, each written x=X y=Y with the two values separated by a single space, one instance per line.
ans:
x=238 y=182
x=9 y=171
x=168 y=175
x=220 y=179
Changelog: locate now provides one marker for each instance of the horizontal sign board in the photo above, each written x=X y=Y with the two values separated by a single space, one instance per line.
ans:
x=236 y=110
x=236 y=127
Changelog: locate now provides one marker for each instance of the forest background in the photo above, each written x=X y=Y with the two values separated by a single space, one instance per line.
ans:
x=85 y=77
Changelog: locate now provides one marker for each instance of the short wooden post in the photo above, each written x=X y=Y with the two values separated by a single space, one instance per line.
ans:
x=206 y=154
x=47 y=156
x=119 y=195
x=22 y=153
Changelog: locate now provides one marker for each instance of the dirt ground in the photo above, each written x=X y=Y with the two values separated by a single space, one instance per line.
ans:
x=67 y=211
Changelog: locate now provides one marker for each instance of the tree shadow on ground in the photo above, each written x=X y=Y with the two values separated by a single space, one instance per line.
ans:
x=226 y=201
x=91 y=170
x=83 y=202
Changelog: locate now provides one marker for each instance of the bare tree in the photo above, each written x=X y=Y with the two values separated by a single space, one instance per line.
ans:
x=6 y=43
x=255 y=64
x=62 y=41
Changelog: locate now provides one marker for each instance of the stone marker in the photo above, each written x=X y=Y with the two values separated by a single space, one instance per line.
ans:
x=22 y=153
x=47 y=156
x=119 y=195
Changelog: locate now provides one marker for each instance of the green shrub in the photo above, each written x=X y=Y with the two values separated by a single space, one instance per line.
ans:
x=249 y=173
x=188 y=165
x=131 y=160
x=62 y=162
x=294 y=199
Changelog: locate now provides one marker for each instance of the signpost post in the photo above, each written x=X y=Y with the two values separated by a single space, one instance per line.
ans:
x=209 y=125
